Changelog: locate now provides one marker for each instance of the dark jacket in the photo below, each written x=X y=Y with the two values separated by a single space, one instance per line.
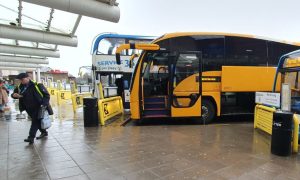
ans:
x=32 y=99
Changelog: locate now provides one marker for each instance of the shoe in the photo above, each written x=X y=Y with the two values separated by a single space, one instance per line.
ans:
x=29 y=140
x=42 y=135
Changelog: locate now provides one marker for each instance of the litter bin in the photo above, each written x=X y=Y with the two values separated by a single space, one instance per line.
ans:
x=281 y=143
x=90 y=112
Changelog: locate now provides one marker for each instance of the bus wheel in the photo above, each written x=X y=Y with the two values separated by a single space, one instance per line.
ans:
x=208 y=111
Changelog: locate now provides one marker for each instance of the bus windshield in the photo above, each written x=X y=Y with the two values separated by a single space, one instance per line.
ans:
x=108 y=46
x=289 y=68
x=115 y=78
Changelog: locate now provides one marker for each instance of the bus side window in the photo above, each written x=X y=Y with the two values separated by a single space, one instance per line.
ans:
x=241 y=51
x=275 y=50
x=212 y=53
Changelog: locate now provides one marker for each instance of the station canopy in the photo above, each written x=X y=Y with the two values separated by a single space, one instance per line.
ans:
x=32 y=30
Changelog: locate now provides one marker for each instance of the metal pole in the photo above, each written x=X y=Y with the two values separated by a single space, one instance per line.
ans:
x=34 y=75
x=38 y=75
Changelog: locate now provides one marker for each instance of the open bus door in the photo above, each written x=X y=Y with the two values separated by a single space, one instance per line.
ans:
x=186 y=95
x=168 y=87
x=155 y=81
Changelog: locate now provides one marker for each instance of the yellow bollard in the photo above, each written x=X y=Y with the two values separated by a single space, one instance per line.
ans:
x=255 y=116
x=58 y=97
x=73 y=87
x=59 y=85
x=49 y=83
x=74 y=103
x=100 y=90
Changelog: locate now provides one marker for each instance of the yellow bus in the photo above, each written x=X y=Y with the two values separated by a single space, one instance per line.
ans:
x=199 y=74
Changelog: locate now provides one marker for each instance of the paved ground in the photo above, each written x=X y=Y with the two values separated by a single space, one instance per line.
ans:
x=158 y=151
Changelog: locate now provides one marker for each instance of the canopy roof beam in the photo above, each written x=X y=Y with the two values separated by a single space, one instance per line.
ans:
x=16 y=68
x=26 y=34
x=90 y=8
x=23 y=50
x=21 y=59
x=22 y=65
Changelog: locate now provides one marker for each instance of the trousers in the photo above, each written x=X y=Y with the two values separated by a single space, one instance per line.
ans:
x=35 y=124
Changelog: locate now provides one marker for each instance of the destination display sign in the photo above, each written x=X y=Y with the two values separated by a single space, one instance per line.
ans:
x=268 y=98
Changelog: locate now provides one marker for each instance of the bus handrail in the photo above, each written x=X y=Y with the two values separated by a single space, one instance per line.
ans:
x=122 y=47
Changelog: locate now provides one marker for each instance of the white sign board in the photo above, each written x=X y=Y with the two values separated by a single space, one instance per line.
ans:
x=108 y=63
x=267 y=98
x=126 y=96
x=286 y=97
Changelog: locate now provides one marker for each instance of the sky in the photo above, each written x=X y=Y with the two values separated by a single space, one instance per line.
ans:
x=269 y=18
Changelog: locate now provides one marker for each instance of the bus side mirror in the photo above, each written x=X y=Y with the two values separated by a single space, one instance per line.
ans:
x=118 y=58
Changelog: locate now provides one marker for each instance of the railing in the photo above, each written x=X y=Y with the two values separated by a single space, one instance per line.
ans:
x=77 y=100
x=263 y=120
x=109 y=107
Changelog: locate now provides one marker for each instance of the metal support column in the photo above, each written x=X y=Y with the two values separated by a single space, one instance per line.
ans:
x=38 y=75
x=34 y=75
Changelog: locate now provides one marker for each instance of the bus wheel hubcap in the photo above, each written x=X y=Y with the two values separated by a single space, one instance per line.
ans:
x=204 y=112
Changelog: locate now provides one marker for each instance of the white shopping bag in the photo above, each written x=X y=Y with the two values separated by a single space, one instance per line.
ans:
x=46 y=121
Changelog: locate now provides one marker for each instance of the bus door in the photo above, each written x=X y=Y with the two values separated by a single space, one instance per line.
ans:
x=186 y=89
x=155 y=84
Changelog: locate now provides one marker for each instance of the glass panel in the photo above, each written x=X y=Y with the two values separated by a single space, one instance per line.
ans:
x=245 y=51
x=156 y=73
x=276 y=50
x=26 y=43
x=186 y=65
x=7 y=41
x=46 y=46
x=186 y=72
x=293 y=79
x=35 y=16
x=212 y=49
x=65 y=24
x=109 y=46
x=9 y=12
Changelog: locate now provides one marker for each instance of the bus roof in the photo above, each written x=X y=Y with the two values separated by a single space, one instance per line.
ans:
x=178 y=34
x=115 y=35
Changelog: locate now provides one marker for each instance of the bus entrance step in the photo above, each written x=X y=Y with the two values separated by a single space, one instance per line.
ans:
x=154 y=105
x=156 y=111
x=155 y=99
x=156 y=116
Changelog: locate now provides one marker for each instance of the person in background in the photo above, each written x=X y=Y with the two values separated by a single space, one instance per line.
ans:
x=120 y=84
x=31 y=97
x=6 y=85
x=3 y=98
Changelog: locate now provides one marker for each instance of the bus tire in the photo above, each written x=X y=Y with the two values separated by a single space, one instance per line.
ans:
x=208 y=111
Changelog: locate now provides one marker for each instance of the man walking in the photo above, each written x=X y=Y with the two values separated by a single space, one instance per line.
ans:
x=32 y=96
